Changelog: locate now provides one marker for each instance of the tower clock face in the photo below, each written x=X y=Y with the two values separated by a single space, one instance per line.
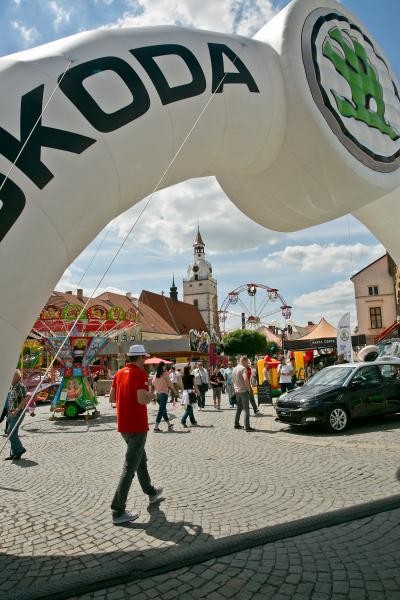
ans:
x=195 y=268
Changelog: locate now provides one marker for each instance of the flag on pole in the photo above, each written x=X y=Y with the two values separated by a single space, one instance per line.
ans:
x=344 y=337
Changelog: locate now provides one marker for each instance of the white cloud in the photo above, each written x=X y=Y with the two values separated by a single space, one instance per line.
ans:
x=319 y=258
x=61 y=15
x=70 y=281
x=243 y=18
x=29 y=35
x=330 y=302
x=173 y=215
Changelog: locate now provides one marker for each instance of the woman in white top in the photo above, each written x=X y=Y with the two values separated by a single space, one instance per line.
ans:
x=285 y=373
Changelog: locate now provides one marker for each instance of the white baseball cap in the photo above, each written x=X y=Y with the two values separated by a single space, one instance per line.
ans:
x=137 y=350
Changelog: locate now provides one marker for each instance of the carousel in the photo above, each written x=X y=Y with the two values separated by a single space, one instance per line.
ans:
x=74 y=337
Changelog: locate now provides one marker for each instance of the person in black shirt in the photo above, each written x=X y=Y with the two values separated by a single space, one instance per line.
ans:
x=189 y=396
x=217 y=381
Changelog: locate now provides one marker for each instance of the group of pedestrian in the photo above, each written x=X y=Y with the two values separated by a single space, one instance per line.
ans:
x=194 y=383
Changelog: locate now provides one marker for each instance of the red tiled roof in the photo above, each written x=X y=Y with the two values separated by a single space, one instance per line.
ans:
x=181 y=316
x=149 y=320
x=60 y=299
x=114 y=299
x=152 y=322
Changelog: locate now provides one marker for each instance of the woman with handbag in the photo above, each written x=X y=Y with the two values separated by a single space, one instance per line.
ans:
x=189 y=396
x=161 y=384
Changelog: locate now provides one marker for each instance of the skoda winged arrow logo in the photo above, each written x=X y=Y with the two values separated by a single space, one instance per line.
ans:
x=344 y=335
x=354 y=88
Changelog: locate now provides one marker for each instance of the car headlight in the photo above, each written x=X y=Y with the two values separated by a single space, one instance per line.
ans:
x=314 y=401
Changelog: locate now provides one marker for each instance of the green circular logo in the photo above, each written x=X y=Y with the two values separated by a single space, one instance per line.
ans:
x=344 y=335
x=354 y=88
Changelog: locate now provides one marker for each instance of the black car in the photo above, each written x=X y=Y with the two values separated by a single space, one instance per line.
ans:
x=338 y=394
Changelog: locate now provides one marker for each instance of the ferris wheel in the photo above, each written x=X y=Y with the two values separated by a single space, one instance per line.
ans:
x=250 y=305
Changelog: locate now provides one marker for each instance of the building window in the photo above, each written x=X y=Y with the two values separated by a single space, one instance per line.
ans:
x=373 y=290
x=196 y=303
x=196 y=277
x=375 y=315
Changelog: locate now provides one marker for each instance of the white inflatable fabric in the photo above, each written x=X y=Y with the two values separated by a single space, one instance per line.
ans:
x=303 y=127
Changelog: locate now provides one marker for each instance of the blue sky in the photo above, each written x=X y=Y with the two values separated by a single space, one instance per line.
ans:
x=311 y=268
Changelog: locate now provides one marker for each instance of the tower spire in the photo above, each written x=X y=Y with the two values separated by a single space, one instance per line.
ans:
x=198 y=243
x=173 y=290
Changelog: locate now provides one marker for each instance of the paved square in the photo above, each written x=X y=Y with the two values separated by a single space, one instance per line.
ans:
x=56 y=521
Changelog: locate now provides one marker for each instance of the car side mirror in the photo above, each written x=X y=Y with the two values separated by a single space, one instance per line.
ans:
x=357 y=381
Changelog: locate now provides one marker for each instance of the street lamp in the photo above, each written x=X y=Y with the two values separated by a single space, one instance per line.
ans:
x=282 y=332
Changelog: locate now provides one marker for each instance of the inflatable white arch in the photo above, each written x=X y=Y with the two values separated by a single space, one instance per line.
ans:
x=303 y=127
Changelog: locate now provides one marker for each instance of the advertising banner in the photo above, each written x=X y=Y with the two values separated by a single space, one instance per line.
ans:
x=344 y=345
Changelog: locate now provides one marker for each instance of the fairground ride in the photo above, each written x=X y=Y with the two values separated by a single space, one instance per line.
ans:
x=250 y=306
x=76 y=337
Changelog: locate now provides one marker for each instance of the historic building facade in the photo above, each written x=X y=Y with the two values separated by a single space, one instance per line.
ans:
x=375 y=296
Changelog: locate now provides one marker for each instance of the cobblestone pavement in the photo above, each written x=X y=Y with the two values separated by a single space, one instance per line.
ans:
x=357 y=561
x=56 y=522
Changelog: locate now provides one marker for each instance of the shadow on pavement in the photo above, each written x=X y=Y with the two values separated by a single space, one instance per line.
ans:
x=69 y=575
x=71 y=426
x=357 y=427
x=270 y=431
x=24 y=463
x=179 y=532
x=74 y=574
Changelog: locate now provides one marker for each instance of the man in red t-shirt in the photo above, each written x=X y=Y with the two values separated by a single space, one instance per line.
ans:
x=130 y=393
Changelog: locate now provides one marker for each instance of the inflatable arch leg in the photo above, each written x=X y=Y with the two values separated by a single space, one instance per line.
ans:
x=293 y=134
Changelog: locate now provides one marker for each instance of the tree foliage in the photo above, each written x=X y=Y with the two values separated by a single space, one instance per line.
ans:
x=245 y=341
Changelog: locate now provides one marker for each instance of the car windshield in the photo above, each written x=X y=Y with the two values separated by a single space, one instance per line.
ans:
x=330 y=376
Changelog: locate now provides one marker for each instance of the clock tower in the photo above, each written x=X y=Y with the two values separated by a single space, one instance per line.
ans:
x=200 y=287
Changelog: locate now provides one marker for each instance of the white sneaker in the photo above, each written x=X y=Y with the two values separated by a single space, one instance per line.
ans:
x=154 y=497
x=126 y=517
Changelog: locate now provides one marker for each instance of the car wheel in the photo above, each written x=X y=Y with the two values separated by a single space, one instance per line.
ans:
x=71 y=410
x=338 y=419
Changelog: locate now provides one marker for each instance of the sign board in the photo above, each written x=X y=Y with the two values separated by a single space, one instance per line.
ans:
x=264 y=393
x=356 y=340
